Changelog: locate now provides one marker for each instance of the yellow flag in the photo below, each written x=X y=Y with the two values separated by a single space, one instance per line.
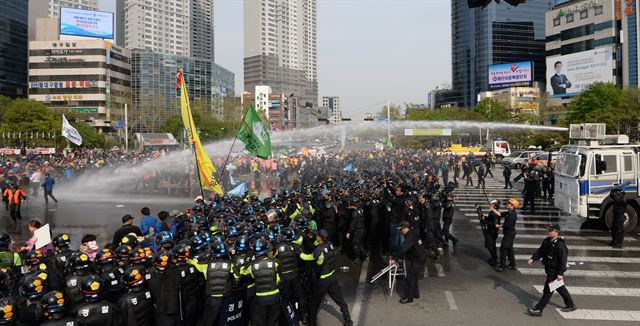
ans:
x=206 y=168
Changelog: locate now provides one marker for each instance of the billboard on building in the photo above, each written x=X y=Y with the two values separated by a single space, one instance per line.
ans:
x=570 y=74
x=89 y=23
x=515 y=74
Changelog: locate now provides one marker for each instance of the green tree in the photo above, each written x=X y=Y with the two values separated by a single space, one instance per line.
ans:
x=598 y=96
x=26 y=116
x=492 y=110
x=90 y=136
x=394 y=110
x=4 y=104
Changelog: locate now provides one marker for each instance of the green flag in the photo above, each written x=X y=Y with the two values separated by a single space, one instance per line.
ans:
x=255 y=135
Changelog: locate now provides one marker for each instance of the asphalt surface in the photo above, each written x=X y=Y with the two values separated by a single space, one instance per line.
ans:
x=459 y=289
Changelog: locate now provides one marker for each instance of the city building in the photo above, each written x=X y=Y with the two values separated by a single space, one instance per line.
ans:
x=14 y=45
x=280 y=47
x=180 y=27
x=278 y=112
x=51 y=9
x=496 y=34
x=88 y=78
x=262 y=93
x=333 y=103
x=630 y=41
x=520 y=100
x=153 y=86
x=444 y=98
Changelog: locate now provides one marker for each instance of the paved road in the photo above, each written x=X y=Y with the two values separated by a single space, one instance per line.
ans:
x=460 y=289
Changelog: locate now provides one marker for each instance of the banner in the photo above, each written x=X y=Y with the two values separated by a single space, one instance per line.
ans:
x=570 y=74
x=70 y=133
x=87 y=23
x=205 y=167
x=514 y=74
x=254 y=135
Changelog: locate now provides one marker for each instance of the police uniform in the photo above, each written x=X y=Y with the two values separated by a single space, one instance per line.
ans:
x=190 y=284
x=265 y=310
x=287 y=254
x=102 y=313
x=163 y=286
x=491 y=220
x=219 y=277
x=66 y=321
x=137 y=308
x=414 y=253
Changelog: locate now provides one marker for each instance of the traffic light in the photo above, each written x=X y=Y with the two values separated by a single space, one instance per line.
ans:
x=484 y=3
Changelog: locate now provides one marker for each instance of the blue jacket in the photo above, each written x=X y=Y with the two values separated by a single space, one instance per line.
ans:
x=148 y=221
x=48 y=183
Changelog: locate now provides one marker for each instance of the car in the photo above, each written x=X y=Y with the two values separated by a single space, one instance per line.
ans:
x=543 y=159
x=518 y=158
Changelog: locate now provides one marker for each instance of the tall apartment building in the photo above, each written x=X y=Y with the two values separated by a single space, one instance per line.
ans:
x=498 y=33
x=51 y=9
x=14 y=45
x=335 y=111
x=280 y=47
x=179 y=27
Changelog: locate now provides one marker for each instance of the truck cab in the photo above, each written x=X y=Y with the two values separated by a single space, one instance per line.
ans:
x=586 y=172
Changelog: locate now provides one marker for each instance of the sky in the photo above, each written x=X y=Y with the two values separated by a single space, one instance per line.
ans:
x=368 y=50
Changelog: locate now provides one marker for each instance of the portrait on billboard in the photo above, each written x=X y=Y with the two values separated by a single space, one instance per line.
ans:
x=559 y=81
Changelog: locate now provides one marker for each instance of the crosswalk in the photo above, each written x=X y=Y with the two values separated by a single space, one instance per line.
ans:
x=595 y=270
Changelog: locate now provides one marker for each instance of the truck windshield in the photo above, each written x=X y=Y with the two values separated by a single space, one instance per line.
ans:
x=568 y=165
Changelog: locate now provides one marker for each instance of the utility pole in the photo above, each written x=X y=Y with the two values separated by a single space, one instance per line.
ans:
x=126 y=128
x=388 y=121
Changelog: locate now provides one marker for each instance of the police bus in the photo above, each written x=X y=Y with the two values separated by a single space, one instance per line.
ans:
x=587 y=171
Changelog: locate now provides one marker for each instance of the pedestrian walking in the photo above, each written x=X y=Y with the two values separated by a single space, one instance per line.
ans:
x=506 y=173
x=510 y=217
x=553 y=253
x=47 y=184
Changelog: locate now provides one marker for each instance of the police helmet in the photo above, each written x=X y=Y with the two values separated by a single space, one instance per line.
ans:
x=137 y=256
x=52 y=302
x=260 y=247
x=92 y=287
x=34 y=257
x=242 y=243
x=288 y=234
x=232 y=232
x=79 y=261
x=258 y=227
x=8 y=310
x=197 y=243
x=164 y=237
x=105 y=256
x=33 y=287
x=182 y=252
x=123 y=252
x=229 y=221
x=219 y=249
x=129 y=240
x=5 y=240
x=162 y=260
x=251 y=219
x=300 y=221
x=134 y=277
x=61 y=240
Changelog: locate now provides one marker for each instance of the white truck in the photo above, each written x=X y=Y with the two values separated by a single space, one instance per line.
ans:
x=587 y=171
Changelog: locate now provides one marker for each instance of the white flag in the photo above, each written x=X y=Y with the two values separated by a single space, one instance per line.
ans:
x=70 y=133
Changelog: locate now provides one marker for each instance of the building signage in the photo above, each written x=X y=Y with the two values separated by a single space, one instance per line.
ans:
x=87 y=23
x=63 y=59
x=510 y=75
x=578 y=7
x=570 y=74
x=85 y=110
x=65 y=84
x=64 y=97
x=63 y=52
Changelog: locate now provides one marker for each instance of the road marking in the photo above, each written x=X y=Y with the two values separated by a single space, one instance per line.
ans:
x=599 y=248
x=484 y=209
x=570 y=237
x=357 y=304
x=451 y=300
x=583 y=272
x=521 y=222
x=585 y=259
x=599 y=314
x=439 y=270
x=540 y=227
x=599 y=291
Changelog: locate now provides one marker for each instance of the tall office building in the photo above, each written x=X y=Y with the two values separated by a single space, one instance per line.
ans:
x=180 y=27
x=499 y=33
x=280 y=47
x=335 y=111
x=14 y=45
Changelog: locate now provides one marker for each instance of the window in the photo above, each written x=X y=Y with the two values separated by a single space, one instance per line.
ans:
x=584 y=14
x=628 y=163
x=612 y=163
x=556 y=21
x=598 y=10
x=569 y=18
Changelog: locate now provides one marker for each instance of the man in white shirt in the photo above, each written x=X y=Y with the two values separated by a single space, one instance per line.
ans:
x=36 y=179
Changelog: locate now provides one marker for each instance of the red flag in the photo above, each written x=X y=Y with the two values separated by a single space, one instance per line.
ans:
x=179 y=79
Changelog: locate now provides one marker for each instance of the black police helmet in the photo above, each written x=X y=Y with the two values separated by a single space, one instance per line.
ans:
x=5 y=239
x=105 y=256
x=92 y=287
x=134 y=277
x=182 y=252
x=53 y=302
x=8 y=311
x=162 y=260
x=242 y=243
x=61 y=240
x=33 y=287
x=79 y=261
x=34 y=257
x=219 y=249
x=260 y=247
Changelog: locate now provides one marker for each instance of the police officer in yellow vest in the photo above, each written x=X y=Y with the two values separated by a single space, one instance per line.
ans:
x=265 y=309
x=8 y=259
x=327 y=283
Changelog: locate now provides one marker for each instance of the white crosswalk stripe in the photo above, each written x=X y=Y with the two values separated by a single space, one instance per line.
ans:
x=595 y=269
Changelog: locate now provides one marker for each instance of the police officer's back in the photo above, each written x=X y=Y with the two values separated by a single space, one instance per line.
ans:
x=53 y=305
x=95 y=311
x=136 y=305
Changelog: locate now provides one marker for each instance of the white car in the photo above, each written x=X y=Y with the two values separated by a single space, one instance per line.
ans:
x=518 y=158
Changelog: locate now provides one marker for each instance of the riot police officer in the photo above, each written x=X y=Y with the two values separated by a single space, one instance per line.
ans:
x=356 y=230
x=327 y=281
x=287 y=253
x=8 y=259
x=190 y=285
x=62 y=254
x=617 y=224
x=219 y=276
x=506 y=173
x=265 y=308
x=509 y=218
x=447 y=219
x=164 y=289
x=53 y=310
x=553 y=253
x=110 y=274
x=9 y=308
x=32 y=289
x=136 y=305
x=492 y=220
x=414 y=253
x=79 y=265
x=436 y=213
x=95 y=311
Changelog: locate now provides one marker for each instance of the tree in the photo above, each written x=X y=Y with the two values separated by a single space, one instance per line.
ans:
x=492 y=110
x=394 y=110
x=597 y=96
x=4 y=104
x=28 y=116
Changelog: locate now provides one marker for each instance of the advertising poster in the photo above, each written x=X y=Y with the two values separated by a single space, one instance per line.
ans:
x=568 y=75
x=87 y=23
x=516 y=74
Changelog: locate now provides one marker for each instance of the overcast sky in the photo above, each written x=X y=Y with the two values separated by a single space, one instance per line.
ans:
x=368 y=50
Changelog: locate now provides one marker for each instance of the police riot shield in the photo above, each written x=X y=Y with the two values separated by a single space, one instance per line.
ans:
x=232 y=311
x=293 y=319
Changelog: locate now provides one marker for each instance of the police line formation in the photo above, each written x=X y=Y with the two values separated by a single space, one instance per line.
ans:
x=273 y=260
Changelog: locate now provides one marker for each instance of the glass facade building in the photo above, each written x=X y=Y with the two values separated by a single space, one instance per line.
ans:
x=154 y=93
x=499 y=33
x=14 y=45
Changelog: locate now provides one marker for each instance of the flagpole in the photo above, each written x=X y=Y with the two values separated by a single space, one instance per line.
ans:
x=232 y=144
x=193 y=148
